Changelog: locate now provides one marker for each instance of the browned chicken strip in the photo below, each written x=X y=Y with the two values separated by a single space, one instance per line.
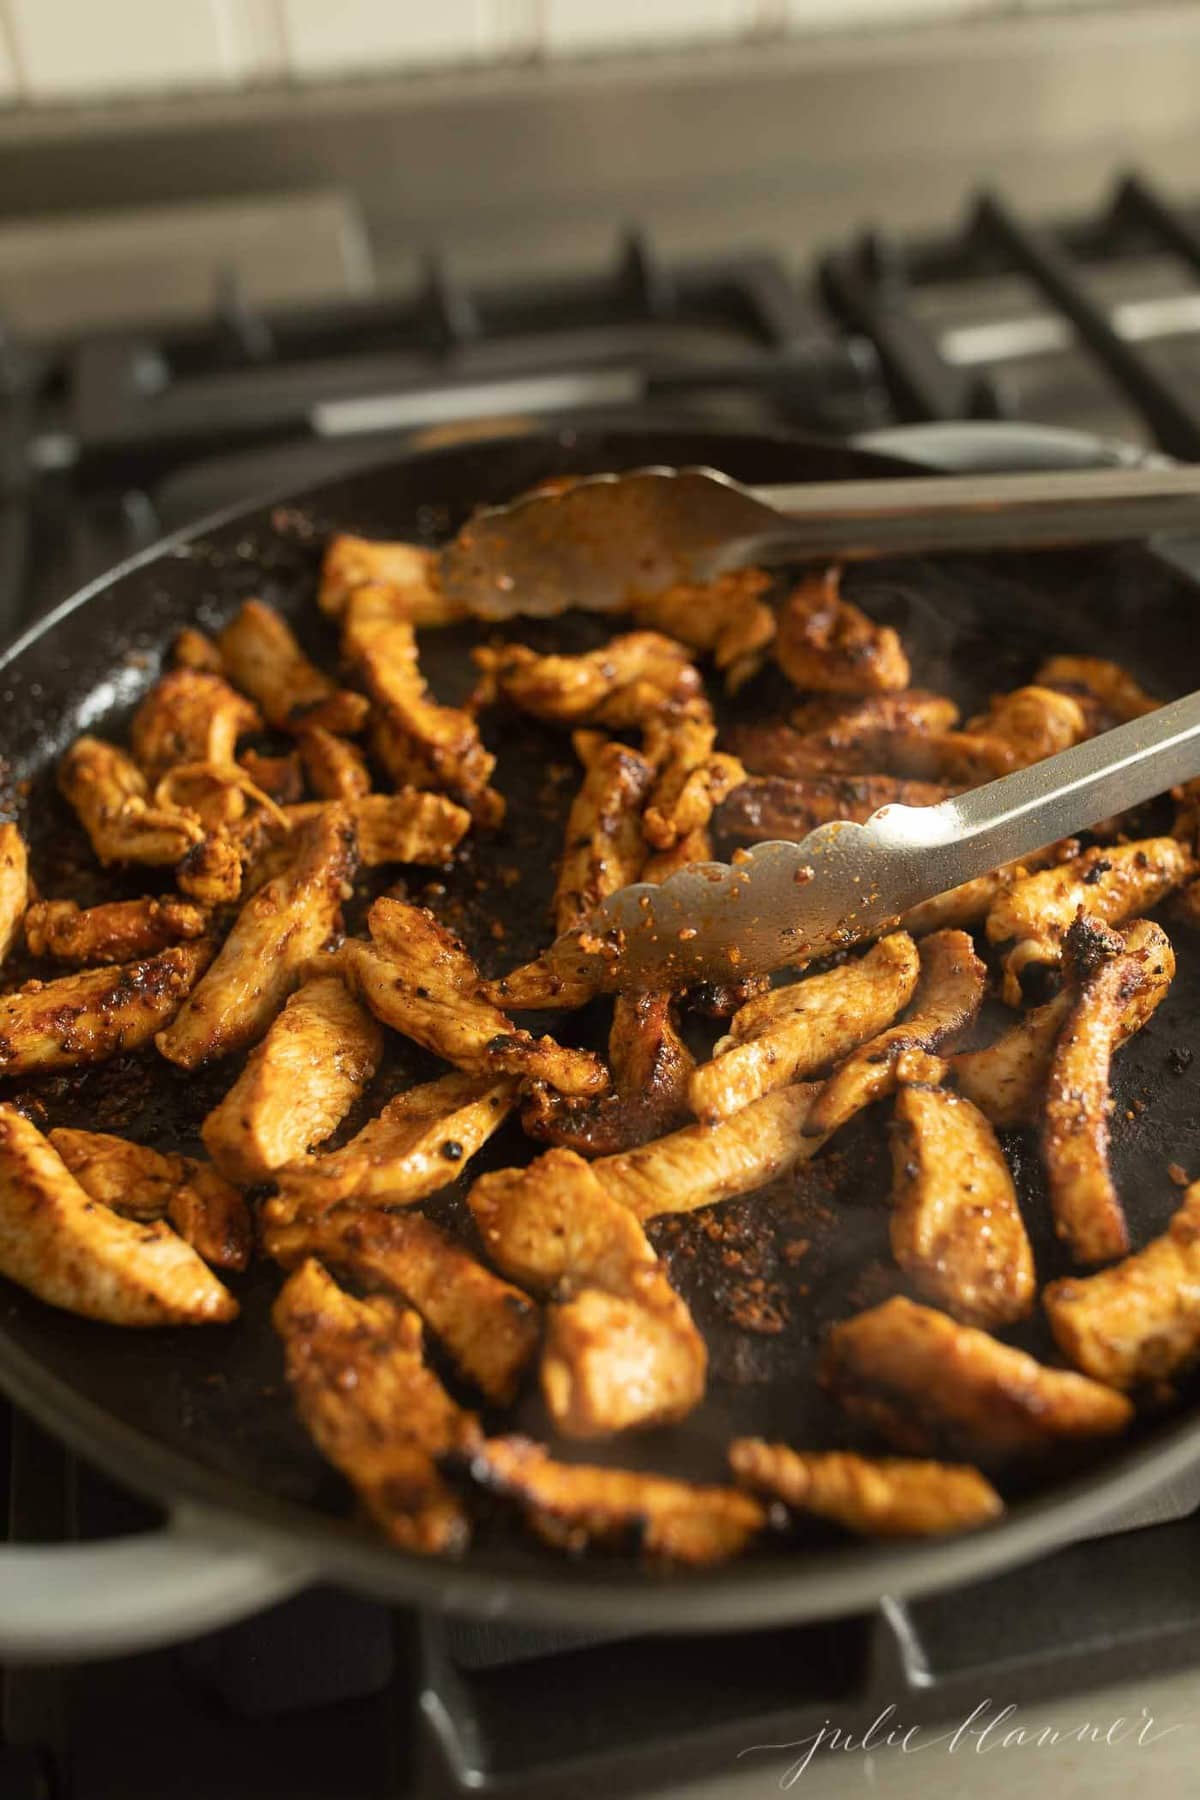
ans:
x=833 y=736
x=826 y=643
x=1113 y=687
x=878 y=1496
x=109 y=792
x=1035 y=721
x=967 y=906
x=407 y=571
x=204 y=1208
x=796 y=1031
x=604 y=848
x=695 y=846
x=574 y=1505
x=192 y=649
x=948 y=997
x=417 y=978
x=373 y=1409
x=771 y=807
x=211 y=872
x=489 y=1327
x=931 y=1385
x=956 y=1227
x=190 y=717
x=14 y=885
x=1139 y=1321
x=263 y=658
x=280 y=778
x=298 y=1085
x=692 y=777
x=650 y=1065
x=72 y=1252
x=87 y=1018
x=276 y=933
x=413 y=826
x=727 y=618
x=335 y=767
x=621 y=685
x=116 y=931
x=536 y=987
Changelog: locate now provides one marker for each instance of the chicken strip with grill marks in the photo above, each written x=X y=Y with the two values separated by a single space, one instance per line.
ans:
x=839 y=736
x=930 y=1385
x=204 y=1208
x=490 y=1328
x=14 y=885
x=604 y=848
x=770 y=807
x=964 y=907
x=72 y=1252
x=575 y=1505
x=620 y=1346
x=88 y=1018
x=948 y=996
x=622 y=684
x=830 y=645
x=116 y=931
x=335 y=767
x=1093 y=679
x=413 y=826
x=297 y=1085
x=373 y=1409
x=109 y=792
x=796 y=1031
x=418 y=979
x=956 y=1228
x=878 y=1496
x=190 y=717
x=275 y=935
x=691 y=776
x=727 y=618
x=1139 y=1321
x=650 y=1066
x=262 y=657
x=406 y=572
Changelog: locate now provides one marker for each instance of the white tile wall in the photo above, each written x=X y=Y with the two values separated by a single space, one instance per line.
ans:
x=599 y=24
x=828 y=13
x=324 y=37
x=72 y=47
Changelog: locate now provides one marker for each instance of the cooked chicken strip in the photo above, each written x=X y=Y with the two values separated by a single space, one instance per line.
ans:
x=297 y=1086
x=573 y=1505
x=417 y=978
x=407 y=571
x=276 y=933
x=71 y=1252
x=695 y=846
x=622 y=684
x=948 y=996
x=650 y=1064
x=726 y=617
x=769 y=807
x=604 y=845
x=1117 y=692
x=879 y=1496
x=691 y=776
x=262 y=656
x=14 y=885
x=1036 y=721
x=211 y=872
x=190 y=717
x=835 y=736
x=795 y=1031
x=928 y=1384
x=204 y=1208
x=489 y=1327
x=828 y=644
x=956 y=1227
x=1139 y=1321
x=117 y=931
x=413 y=826
x=536 y=987
x=967 y=906
x=109 y=792
x=420 y=1142
x=844 y=721
x=193 y=650
x=280 y=778
x=335 y=767
x=374 y=1410
x=88 y=1018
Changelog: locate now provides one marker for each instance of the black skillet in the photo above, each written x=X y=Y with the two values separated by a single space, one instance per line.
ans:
x=200 y=1420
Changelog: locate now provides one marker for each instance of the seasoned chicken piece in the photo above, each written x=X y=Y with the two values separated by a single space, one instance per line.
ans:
x=770 y=807
x=116 y=931
x=1035 y=721
x=14 y=885
x=417 y=978
x=831 y=736
x=931 y=1385
x=373 y=1409
x=536 y=987
x=420 y=1142
x=604 y=846
x=703 y=1164
x=948 y=997
x=691 y=776
x=190 y=717
x=280 y=778
x=71 y=1252
x=621 y=685
x=413 y=826
x=490 y=1328
x=407 y=572
x=795 y=1031
x=211 y=872
x=263 y=658
x=727 y=618
x=956 y=1227
x=1139 y=1321
x=877 y=1496
x=87 y=1018
x=828 y=644
x=967 y=906
x=297 y=1086
x=1092 y=677
x=650 y=1065
x=1112 y=883
x=276 y=933
x=109 y=792
x=695 y=847
x=154 y=1184
x=1102 y=977
x=574 y=1505
x=844 y=721
x=620 y=1346
x=335 y=767
x=193 y=650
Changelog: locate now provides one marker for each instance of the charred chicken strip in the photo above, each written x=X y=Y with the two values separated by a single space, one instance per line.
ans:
x=73 y=1253
x=297 y=1085
x=276 y=933
x=109 y=792
x=211 y=872
x=880 y=1496
x=831 y=736
x=373 y=1409
x=489 y=1327
x=117 y=931
x=771 y=807
x=536 y=987
x=931 y=1385
x=793 y=1032
x=90 y=1017
x=1139 y=1321
x=204 y=1208
x=335 y=767
x=408 y=573
x=574 y=1505
x=967 y=906
x=948 y=996
x=190 y=717
x=695 y=846
x=650 y=1065
x=263 y=658
x=280 y=778
x=727 y=618
x=604 y=846
x=829 y=645
x=956 y=1227
x=413 y=826
x=418 y=979
x=621 y=685
x=14 y=885
x=691 y=776
x=1115 y=691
